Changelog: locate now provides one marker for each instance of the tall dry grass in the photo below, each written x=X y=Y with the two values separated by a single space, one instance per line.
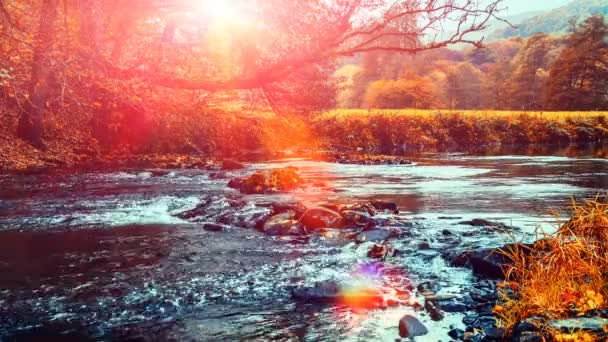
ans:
x=563 y=275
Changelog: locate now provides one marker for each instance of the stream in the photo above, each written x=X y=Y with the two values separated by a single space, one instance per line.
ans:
x=102 y=256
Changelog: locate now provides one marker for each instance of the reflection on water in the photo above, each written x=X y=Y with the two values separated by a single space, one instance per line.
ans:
x=101 y=256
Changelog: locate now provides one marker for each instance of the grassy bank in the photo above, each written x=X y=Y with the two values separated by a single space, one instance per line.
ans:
x=565 y=275
x=226 y=132
x=72 y=141
x=390 y=130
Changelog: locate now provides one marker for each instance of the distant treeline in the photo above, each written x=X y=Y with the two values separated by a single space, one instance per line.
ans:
x=542 y=72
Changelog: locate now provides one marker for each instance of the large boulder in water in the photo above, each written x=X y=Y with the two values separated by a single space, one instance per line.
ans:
x=488 y=262
x=285 y=179
x=319 y=217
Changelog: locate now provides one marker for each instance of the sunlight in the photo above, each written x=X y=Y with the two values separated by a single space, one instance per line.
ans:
x=220 y=12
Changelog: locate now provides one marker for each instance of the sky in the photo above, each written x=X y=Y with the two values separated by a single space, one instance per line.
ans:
x=521 y=6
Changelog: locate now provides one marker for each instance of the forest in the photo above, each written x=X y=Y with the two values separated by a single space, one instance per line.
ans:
x=540 y=73
x=310 y=170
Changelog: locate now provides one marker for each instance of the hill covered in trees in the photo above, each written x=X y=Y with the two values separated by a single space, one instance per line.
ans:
x=557 y=21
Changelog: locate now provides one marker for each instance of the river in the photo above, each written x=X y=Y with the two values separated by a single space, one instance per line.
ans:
x=101 y=256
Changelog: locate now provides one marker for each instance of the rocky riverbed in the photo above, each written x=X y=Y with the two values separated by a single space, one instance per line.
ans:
x=355 y=252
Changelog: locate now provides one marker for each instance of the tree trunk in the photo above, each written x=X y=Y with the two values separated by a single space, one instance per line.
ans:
x=30 y=123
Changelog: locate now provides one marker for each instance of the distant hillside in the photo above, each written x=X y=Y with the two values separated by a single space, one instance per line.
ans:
x=555 y=21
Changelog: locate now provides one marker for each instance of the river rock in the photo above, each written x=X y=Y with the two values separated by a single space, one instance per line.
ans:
x=526 y=332
x=229 y=164
x=297 y=207
x=358 y=218
x=209 y=208
x=365 y=207
x=214 y=227
x=200 y=210
x=488 y=224
x=381 y=251
x=457 y=334
x=327 y=291
x=487 y=262
x=320 y=217
x=376 y=235
x=366 y=159
x=384 y=205
x=434 y=310
x=269 y=181
x=428 y=253
x=410 y=326
x=592 y=324
x=282 y=224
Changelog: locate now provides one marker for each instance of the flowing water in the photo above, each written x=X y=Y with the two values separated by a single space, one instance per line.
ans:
x=101 y=256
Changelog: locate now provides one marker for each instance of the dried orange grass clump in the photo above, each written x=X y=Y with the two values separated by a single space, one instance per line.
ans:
x=563 y=275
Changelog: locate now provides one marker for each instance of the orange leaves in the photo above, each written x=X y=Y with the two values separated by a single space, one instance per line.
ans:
x=498 y=309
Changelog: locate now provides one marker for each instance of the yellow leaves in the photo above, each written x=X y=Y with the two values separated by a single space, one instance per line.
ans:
x=591 y=301
x=575 y=337
x=498 y=309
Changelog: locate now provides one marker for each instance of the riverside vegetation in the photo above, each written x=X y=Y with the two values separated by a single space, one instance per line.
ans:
x=368 y=131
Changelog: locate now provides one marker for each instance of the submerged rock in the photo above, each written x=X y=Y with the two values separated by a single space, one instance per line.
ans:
x=488 y=224
x=376 y=235
x=366 y=159
x=327 y=291
x=297 y=207
x=410 y=326
x=320 y=217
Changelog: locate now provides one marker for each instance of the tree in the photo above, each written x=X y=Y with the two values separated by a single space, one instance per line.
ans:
x=464 y=86
x=578 y=79
x=526 y=85
x=30 y=122
x=414 y=92
x=178 y=44
x=494 y=93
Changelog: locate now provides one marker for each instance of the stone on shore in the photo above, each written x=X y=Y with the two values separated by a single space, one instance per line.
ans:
x=410 y=326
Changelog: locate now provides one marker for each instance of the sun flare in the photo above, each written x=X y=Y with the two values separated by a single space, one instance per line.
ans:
x=225 y=12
